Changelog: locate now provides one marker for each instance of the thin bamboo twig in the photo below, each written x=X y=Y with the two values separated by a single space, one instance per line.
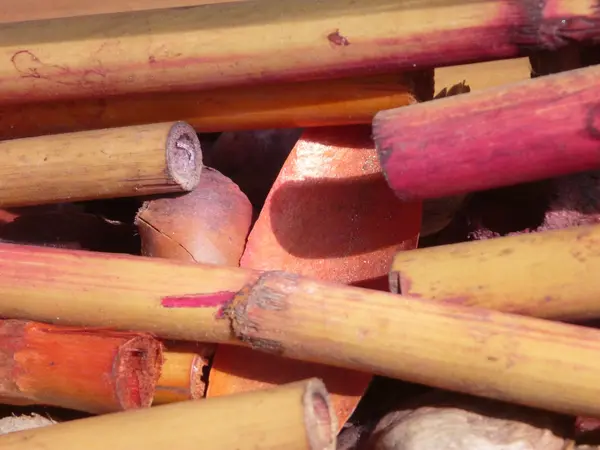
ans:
x=120 y=162
x=548 y=129
x=272 y=40
x=295 y=416
x=514 y=358
x=95 y=371
x=498 y=273
x=303 y=104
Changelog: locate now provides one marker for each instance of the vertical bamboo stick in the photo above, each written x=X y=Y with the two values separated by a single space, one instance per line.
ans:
x=118 y=162
x=272 y=40
x=96 y=371
x=295 y=416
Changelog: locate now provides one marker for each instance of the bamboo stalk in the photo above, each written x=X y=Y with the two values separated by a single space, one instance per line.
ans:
x=518 y=359
x=209 y=224
x=95 y=371
x=294 y=416
x=121 y=162
x=301 y=104
x=27 y=10
x=248 y=42
x=182 y=378
x=329 y=215
x=550 y=274
x=548 y=115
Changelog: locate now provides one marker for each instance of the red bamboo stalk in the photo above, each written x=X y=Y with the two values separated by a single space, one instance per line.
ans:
x=97 y=371
x=526 y=131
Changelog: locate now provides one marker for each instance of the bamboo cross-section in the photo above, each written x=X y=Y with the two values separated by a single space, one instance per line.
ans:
x=476 y=351
x=245 y=43
x=118 y=162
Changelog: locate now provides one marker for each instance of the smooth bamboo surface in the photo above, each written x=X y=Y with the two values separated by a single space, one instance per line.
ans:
x=550 y=274
x=96 y=371
x=208 y=225
x=337 y=101
x=118 y=162
x=551 y=115
x=272 y=40
x=181 y=378
x=329 y=215
x=295 y=416
x=27 y=10
x=514 y=358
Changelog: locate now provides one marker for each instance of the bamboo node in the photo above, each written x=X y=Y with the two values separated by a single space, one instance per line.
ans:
x=184 y=156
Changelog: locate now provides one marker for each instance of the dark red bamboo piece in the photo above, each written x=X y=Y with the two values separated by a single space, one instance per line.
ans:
x=532 y=130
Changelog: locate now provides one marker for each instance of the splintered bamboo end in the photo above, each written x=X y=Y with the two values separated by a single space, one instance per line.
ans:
x=184 y=156
x=319 y=416
x=137 y=370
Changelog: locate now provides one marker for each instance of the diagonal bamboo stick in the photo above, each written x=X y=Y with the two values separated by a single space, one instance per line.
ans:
x=513 y=358
x=272 y=40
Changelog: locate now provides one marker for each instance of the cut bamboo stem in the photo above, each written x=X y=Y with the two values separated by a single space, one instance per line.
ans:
x=182 y=378
x=95 y=371
x=120 y=162
x=295 y=416
x=548 y=115
x=302 y=104
x=498 y=273
x=272 y=40
x=208 y=225
x=514 y=358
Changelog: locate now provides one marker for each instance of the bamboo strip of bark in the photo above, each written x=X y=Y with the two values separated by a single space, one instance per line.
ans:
x=514 y=358
x=339 y=101
x=550 y=274
x=295 y=416
x=96 y=371
x=245 y=43
x=119 y=162
x=182 y=378
x=549 y=128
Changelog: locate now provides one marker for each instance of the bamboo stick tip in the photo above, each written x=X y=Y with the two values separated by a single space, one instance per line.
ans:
x=137 y=371
x=184 y=156
x=319 y=417
x=197 y=378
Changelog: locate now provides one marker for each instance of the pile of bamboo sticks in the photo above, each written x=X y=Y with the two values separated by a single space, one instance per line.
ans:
x=280 y=302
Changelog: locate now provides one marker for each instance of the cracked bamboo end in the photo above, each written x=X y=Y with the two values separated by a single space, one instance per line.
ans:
x=184 y=156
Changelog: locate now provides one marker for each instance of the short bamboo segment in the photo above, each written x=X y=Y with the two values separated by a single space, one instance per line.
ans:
x=518 y=359
x=550 y=274
x=182 y=378
x=549 y=114
x=120 y=162
x=272 y=41
x=302 y=104
x=95 y=371
x=295 y=416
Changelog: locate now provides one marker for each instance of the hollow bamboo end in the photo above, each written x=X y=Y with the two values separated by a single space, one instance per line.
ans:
x=137 y=371
x=184 y=156
x=319 y=416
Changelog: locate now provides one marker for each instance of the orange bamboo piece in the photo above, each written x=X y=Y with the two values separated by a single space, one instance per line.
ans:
x=96 y=371
x=498 y=273
x=27 y=10
x=329 y=215
x=209 y=224
x=480 y=352
x=182 y=378
x=120 y=162
x=296 y=416
x=301 y=104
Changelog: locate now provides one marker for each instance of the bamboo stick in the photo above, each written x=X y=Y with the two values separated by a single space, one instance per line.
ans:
x=121 y=162
x=518 y=359
x=182 y=378
x=294 y=416
x=302 y=104
x=550 y=274
x=209 y=224
x=27 y=10
x=95 y=371
x=548 y=115
x=329 y=215
x=248 y=42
